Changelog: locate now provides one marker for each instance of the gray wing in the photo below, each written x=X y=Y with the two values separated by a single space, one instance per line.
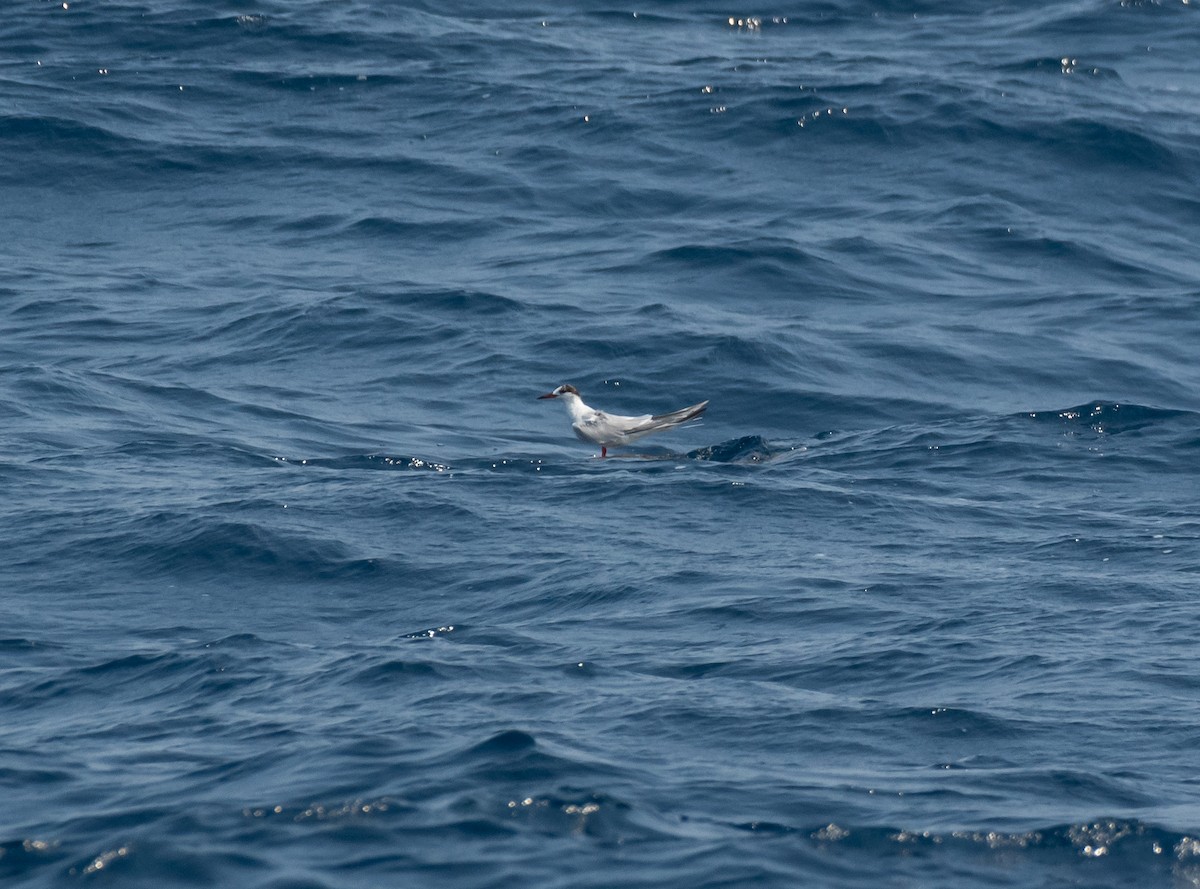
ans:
x=608 y=429
x=674 y=418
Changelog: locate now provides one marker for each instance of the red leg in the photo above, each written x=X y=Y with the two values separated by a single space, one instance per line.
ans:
x=603 y=451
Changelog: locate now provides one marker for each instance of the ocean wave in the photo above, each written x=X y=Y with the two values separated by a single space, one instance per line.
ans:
x=693 y=846
x=303 y=586
x=1112 y=418
x=181 y=544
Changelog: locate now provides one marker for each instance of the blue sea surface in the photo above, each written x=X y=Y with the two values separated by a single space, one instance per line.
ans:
x=301 y=587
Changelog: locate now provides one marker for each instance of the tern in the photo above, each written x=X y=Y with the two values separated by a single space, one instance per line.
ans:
x=611 y=430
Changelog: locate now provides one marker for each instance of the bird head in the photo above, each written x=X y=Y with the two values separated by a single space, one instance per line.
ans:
x=564 y=389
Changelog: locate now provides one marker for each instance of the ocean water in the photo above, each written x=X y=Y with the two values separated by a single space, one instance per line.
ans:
x=301 y=586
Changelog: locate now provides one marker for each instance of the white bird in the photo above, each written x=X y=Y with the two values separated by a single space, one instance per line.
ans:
x=611 y=430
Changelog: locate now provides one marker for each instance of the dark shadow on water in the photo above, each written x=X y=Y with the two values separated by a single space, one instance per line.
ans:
x=747 y=449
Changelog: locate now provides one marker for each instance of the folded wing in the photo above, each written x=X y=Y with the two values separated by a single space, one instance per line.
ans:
x=667 y=421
